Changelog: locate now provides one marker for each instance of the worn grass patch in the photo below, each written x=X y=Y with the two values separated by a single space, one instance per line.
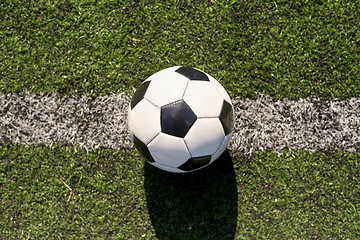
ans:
x=280 y=48
x=298 y=196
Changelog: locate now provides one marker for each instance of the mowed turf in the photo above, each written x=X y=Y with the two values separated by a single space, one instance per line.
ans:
x=280 y=48
x=296 y=196
x=285 y=49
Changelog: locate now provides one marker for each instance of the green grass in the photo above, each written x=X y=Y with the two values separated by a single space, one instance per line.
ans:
x=281 y=48
x=285 y=49
x=296 y=196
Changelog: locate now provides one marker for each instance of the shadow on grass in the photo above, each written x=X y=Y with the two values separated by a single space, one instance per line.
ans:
x=198 y=205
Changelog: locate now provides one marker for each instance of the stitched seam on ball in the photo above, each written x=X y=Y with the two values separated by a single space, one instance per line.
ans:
x=187 y=84
x=175 y=102
x=187 y=147
x=207 y=117
x=153 y=138
x=219 y=146
x=151 y=103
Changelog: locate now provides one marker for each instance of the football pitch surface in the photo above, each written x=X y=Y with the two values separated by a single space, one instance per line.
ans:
x=68 y=169
x=261 y=124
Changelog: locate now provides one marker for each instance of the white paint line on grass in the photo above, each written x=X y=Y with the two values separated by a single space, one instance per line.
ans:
x=261 y=124
x=310 y=124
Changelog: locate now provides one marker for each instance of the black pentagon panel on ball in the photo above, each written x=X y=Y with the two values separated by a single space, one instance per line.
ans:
x=227 y=117
x=139 y=94
x=143 y=149
x=177 y=118
x=195 y=163
x=192 y=74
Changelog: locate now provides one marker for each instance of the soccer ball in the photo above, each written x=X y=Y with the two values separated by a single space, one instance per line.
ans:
x=180 y=119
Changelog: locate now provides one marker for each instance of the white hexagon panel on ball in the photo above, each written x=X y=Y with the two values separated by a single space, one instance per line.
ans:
x=166 y=87
x=166 y=168
x=203 y=98
x=145 y=121
x=222 y=147
x=161 y=73
x=204 y=137
x=169 y=150
x=220 y=88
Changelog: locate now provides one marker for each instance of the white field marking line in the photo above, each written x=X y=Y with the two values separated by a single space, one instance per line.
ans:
x=261 y=124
